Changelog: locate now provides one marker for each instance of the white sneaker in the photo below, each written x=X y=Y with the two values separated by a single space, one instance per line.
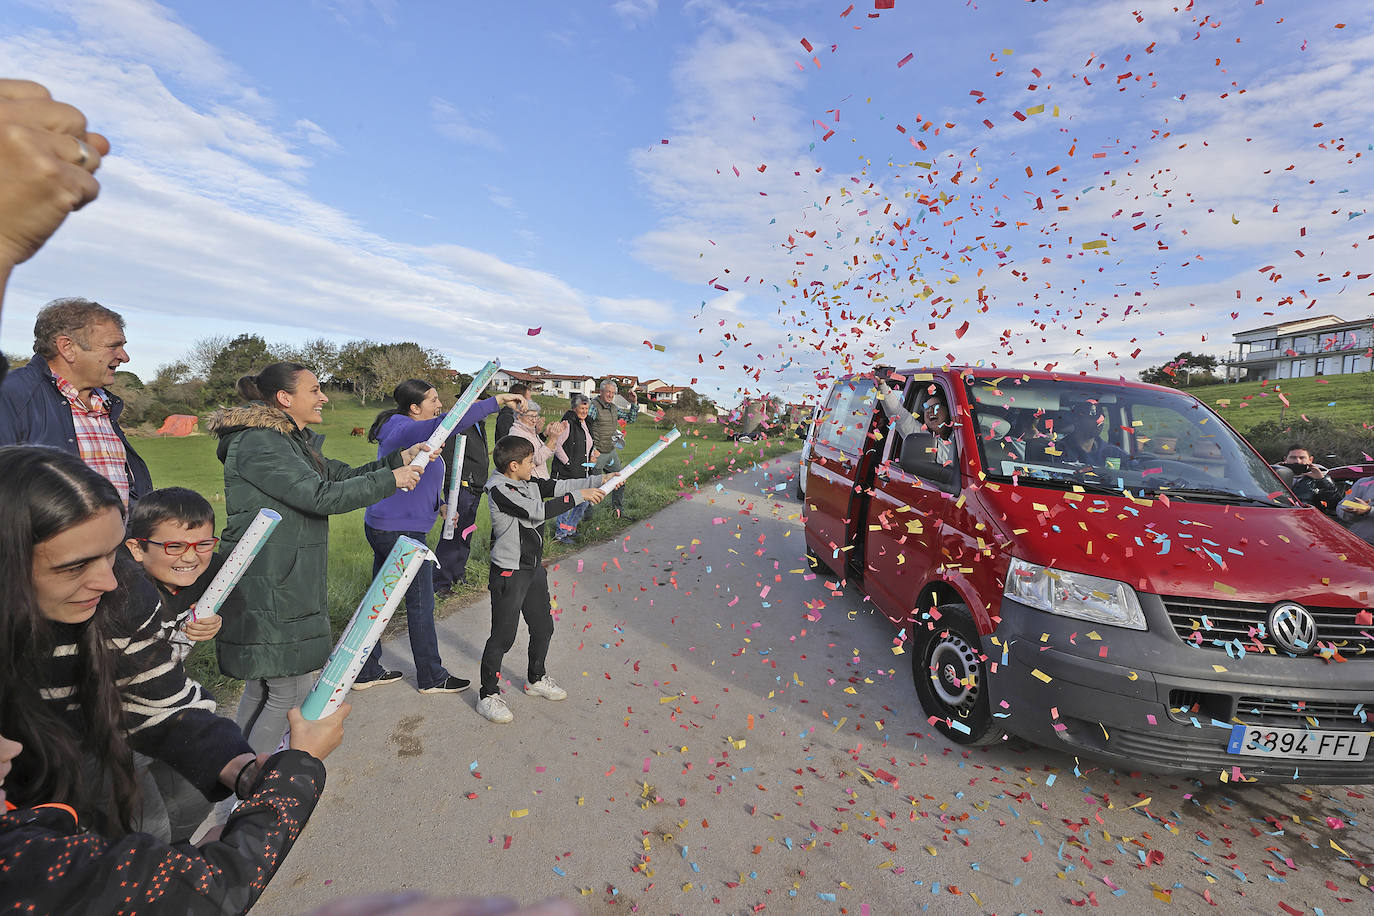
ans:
x=546 y=688
x=494 y=709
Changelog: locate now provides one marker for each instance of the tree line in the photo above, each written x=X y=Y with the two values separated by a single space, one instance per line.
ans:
x=206 y=374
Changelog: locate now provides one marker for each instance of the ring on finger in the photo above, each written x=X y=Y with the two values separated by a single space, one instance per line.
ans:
x=83 y=152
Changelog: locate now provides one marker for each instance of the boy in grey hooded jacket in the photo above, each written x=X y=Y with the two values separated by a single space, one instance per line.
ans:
x=518 y=582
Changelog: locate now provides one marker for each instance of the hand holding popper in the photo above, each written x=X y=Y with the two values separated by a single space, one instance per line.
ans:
x=450 y=422
x=380 y=601
x=455 y=487
x=644 y=458
x=256 y=535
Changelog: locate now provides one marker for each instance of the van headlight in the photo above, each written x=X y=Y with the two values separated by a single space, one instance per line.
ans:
x=1072 y=594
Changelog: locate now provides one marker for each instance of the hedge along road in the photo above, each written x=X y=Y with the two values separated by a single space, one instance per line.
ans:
x=738 y=736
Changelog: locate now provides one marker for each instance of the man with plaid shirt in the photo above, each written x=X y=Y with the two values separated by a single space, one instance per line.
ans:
x=59 y=399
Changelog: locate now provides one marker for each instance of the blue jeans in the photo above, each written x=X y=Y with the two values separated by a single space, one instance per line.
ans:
x=609 y=463
x=424 y=643
x=565 y=525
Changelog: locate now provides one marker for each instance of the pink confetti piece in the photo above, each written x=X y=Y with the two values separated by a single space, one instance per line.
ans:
x=534 y=331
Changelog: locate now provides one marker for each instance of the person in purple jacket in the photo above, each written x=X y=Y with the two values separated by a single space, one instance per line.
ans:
x=412 y=513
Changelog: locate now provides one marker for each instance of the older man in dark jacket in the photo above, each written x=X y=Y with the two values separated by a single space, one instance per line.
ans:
x=59 y=399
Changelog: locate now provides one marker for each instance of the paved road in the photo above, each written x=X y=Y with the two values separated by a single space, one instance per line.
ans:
x=739 y=738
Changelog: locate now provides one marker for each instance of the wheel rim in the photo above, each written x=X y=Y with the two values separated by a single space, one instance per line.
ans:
x=955 y=672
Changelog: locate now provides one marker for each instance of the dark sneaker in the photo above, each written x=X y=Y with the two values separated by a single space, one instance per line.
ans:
x=386 y=677
x=450 y=685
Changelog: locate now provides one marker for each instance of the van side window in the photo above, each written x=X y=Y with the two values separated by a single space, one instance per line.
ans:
x=845 y=423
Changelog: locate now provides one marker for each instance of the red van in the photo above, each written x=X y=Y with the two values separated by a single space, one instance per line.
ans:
x=1100 y=566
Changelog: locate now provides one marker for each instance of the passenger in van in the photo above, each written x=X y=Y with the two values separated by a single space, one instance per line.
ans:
x=934 y=416
x=1083 y=444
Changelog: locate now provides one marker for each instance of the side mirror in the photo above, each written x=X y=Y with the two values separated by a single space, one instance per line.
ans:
x=918 y=457
x=1285 y=474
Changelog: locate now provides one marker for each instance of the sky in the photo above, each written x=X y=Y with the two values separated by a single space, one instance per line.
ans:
x=743 y=197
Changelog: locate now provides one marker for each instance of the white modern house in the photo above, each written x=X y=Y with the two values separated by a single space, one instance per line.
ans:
x=1322 y=345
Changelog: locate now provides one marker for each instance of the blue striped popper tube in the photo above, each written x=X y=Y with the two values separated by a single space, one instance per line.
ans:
x=446 y=426
x=383 y=596
x=455 y=486
x=643 y=459
x=254 y=537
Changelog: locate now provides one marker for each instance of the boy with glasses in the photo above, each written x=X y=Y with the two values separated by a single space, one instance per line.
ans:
x=171 y=533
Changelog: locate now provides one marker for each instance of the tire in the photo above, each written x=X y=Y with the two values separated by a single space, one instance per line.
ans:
x=950 y=674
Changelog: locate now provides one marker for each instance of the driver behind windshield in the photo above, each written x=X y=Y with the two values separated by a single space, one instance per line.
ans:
x=1083 y=444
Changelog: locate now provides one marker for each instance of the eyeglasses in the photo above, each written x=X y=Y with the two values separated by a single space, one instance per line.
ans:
x=177 y=548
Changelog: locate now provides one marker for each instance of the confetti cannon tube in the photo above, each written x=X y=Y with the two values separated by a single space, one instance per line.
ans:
x=643 y=459
x=455 y=485
x=383 y=596
x=259 y=530
x=446 y=426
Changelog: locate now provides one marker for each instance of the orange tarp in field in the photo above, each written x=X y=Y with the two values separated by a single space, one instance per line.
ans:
x=178 y=424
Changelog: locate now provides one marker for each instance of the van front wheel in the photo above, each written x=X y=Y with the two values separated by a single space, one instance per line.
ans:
x=950 y=671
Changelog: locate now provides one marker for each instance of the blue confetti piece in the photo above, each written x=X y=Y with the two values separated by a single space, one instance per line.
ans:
x=559 y=872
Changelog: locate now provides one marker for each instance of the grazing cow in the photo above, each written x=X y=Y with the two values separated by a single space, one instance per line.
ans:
x=357 y=431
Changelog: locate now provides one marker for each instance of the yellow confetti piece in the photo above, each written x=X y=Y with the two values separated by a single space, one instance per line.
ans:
x=520 y=812
x=1095 y=243
x=1223 y=587
x=850 y=690
x=1142 y=803
x=1041 y=675
x=1338 y=849
x=1218 y=668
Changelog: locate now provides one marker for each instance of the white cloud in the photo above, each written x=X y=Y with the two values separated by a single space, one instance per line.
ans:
x=635 y=12
x=452 y=123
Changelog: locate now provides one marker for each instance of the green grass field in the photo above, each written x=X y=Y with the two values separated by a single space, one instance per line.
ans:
x=1342 y=399
x=702 y=454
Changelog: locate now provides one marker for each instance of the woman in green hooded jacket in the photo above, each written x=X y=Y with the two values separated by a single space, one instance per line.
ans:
x=272 y=460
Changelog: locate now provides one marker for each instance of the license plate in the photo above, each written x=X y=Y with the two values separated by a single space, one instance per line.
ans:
x=1263 y=741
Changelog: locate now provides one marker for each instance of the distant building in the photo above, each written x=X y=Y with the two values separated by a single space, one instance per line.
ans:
x=666 y=394
x=1323 y=345
x=504 y=378
x=567 y=385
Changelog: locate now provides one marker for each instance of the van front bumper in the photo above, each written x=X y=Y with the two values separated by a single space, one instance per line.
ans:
x=1107 y=693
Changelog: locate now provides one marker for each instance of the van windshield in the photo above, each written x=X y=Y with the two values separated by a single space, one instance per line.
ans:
x=1072 y=432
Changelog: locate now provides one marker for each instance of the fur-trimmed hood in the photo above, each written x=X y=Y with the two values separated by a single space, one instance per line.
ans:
x=228 y=420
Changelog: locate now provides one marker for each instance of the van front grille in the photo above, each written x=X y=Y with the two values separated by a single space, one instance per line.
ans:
x=1211 y=624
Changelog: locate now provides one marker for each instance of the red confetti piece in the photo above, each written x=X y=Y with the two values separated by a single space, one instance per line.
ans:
x=533 y=331
x=906 y=60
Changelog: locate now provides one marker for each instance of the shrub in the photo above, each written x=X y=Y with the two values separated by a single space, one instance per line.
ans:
x=1322 y=438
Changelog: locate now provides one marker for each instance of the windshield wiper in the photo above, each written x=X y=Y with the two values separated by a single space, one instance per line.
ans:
x=1211 y=494
x=1086 y=484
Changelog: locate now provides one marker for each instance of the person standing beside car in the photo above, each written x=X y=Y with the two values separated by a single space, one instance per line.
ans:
x=1310 y=483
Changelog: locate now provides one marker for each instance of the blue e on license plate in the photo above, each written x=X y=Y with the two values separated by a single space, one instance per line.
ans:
x=1263 y=741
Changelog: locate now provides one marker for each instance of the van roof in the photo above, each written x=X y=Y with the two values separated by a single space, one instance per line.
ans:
x=921 y=373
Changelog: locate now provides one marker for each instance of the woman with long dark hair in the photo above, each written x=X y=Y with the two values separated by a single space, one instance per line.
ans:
x=86 y=679
x=272 y=460
x=411 y=513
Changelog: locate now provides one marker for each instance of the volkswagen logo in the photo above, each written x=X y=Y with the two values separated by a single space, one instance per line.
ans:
x=1293 y=628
